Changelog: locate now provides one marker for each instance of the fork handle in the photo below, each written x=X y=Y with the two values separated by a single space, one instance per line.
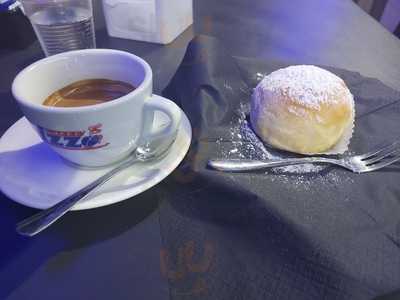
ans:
x=241 y=165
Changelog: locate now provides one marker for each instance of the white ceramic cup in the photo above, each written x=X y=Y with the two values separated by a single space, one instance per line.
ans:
x=101 y=134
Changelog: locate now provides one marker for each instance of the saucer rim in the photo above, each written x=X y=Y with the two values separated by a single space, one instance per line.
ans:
x=184 y=135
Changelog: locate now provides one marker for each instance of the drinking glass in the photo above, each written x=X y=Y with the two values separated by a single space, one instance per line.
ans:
x=61 y=25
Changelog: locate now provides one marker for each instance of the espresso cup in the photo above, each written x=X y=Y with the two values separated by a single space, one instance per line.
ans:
x=101 y=134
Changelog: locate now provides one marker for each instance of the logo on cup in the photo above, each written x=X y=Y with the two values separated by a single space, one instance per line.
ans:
x=75 y=140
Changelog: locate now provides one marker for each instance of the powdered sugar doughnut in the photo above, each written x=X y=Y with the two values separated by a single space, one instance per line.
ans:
x=303 y=109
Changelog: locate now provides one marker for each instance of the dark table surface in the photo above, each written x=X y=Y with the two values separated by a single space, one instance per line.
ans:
x=113 y=252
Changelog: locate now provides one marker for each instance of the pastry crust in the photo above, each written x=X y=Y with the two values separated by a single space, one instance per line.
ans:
x=302 y=109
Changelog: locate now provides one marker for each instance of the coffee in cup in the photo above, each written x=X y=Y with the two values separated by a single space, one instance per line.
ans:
x=88 y=92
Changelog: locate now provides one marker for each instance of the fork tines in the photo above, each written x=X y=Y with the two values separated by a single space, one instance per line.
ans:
x=383 y=156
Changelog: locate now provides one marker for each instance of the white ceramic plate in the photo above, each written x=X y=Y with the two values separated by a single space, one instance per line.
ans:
x=33 y=175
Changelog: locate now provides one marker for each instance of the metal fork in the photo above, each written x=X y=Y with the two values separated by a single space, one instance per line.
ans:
x=367 y=162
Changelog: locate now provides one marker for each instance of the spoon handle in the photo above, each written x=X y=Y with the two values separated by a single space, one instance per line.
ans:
x=40 y=221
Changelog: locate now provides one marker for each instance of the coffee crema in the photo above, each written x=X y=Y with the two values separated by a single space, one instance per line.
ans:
x=88 y=92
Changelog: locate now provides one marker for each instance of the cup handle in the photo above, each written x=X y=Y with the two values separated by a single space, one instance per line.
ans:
x=158 y=103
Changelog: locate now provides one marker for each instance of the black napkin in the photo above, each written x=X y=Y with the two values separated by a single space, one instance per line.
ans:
x=329 y=234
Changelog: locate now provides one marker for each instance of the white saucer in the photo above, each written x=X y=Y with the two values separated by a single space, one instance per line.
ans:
x=35 y=176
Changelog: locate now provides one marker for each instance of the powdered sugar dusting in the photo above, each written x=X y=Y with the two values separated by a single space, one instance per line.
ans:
x=307 y=85
x=245 y=144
